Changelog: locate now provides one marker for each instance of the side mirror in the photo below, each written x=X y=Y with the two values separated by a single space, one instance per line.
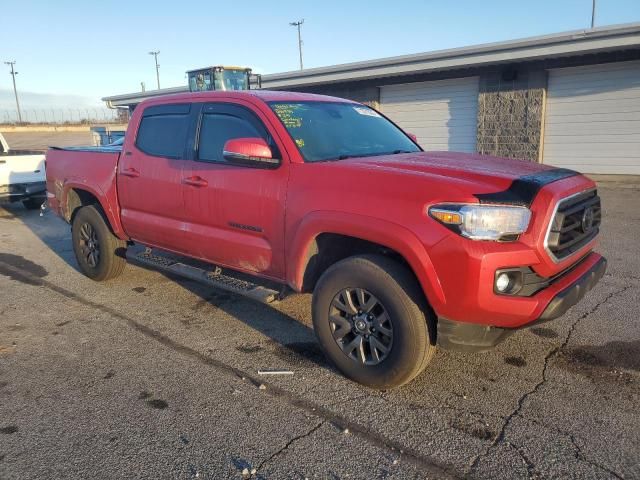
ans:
x=413 y=137
x=249 y=152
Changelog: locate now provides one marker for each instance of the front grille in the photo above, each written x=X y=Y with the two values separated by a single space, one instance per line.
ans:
x=575 y=223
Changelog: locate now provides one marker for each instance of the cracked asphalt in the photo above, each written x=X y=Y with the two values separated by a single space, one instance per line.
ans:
x=154 y=377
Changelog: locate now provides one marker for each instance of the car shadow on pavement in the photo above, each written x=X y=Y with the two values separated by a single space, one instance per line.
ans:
x=52 y=230
x=288 y=338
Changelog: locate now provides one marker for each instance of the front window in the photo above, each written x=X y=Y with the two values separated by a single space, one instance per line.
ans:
x=232 y=80
x=216 y=129
x=335 y=131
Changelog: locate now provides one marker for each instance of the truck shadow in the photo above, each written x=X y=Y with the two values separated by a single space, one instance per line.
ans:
x=288 y=338
x=54 y=232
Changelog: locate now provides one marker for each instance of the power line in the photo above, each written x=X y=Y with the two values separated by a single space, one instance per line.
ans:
x=15 y=90
x=299 y=24
x=593 y=13
x=155 y=56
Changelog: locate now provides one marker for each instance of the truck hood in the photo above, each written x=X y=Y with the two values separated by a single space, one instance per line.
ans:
x=492 y=179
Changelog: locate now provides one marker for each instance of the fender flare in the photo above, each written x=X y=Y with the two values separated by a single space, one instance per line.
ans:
x=112 y=216
x=372 y=229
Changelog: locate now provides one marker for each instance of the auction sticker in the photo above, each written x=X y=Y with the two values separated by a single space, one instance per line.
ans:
x=369 y=112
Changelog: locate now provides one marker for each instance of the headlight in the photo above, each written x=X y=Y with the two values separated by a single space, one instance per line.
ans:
x=483 y=222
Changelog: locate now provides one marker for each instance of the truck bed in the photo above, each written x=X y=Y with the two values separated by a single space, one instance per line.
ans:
x=91 y=169
x=96 y=149
x=21 y=153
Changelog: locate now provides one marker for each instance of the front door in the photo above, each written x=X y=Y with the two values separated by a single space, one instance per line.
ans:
x=236 y=213
x=150 y=173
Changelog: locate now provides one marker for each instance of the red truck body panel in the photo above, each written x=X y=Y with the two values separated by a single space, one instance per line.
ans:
x=90 y=170
x=264 y=221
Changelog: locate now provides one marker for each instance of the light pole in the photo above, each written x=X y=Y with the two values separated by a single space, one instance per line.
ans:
x=155 y=56
x=593 y=13
x=299 y=24
x=15 y=90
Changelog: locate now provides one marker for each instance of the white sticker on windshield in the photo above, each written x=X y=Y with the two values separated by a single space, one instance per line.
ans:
x=366 y=111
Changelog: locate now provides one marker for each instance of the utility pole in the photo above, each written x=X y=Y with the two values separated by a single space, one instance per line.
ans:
x=593 y=13
x=15 y=90
x=299 y=24
x=155 y=55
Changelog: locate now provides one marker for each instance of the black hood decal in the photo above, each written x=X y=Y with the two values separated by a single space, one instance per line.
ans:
x=523 y=190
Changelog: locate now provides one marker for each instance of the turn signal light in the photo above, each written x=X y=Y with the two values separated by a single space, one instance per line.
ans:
x=451 y=218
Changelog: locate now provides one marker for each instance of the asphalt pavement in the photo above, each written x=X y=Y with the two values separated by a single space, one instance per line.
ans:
x=154 y=377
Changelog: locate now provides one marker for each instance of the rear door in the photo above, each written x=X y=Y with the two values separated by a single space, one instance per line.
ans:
x=236 y=213
x=150 y=174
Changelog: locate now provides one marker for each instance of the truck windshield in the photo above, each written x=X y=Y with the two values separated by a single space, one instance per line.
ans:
x=326 y=131
x=232 y=80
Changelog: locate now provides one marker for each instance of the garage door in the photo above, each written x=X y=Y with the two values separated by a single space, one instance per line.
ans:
x=593 y=119
x=442 y=114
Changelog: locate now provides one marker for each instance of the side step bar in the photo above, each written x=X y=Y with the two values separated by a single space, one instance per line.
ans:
x=214 y=279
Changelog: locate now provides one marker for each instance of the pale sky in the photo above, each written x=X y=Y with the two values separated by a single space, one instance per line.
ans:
x=77 y=52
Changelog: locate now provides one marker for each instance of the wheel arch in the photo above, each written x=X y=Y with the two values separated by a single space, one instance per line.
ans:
x=77 y=196
x=324 y=238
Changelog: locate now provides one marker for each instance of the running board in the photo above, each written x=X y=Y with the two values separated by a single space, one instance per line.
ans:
x=215 y=279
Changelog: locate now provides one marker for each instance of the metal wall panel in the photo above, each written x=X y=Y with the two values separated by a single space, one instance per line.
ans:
x=592 y=119
x=442 y=114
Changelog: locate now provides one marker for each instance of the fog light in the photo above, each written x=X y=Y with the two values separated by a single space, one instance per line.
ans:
x=503 y=282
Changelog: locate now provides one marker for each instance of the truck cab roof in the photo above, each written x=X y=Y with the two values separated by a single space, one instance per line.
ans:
x=264 y=95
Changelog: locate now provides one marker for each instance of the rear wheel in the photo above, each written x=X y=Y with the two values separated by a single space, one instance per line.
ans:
x=32 y=203
x=369 y=316
x=100 y=254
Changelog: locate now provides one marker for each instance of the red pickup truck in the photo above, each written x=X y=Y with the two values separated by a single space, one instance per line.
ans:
x=261 y=192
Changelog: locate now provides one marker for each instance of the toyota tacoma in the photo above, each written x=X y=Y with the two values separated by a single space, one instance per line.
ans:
x=261 y=193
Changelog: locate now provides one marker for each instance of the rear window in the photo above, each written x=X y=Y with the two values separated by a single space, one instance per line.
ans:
x=163 y=134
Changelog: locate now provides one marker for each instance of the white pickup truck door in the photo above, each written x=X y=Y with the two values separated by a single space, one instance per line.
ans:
x=21 y=168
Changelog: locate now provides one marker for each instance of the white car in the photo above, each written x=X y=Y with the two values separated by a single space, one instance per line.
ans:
x=22 y=176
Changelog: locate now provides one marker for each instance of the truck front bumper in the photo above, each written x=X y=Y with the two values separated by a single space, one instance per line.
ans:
x=473 y=337
x=22 y=191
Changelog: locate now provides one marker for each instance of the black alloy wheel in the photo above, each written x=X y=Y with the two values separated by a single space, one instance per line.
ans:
x=361 y=326
x=89 y=244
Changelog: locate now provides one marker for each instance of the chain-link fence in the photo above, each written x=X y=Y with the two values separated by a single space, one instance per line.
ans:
x=64 y=116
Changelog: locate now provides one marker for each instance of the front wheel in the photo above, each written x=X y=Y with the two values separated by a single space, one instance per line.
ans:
x=369 y=316
x=100 y=254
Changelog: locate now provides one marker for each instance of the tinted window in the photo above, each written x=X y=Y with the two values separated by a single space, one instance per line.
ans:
x=334 y=131
x=163 y=135
x=216 y=129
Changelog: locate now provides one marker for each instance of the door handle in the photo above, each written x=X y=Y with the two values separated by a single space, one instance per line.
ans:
x=195 y=181
x=130 y=172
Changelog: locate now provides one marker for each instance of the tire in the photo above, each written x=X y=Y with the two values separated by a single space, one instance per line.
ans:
x=400 y=299
x=32 y=203
x=90 y=233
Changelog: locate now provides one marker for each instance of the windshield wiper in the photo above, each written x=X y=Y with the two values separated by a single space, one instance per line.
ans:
x=364 y=155
x=340 y=157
